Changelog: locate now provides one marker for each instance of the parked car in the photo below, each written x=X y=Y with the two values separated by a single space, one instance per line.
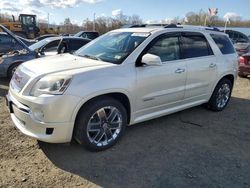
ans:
x=44 y=37
x=7 y=43
x=125 y=77
x=240 y=40
x=13 y=52
x=58 y=45
x=87 y=34
x=244 y=65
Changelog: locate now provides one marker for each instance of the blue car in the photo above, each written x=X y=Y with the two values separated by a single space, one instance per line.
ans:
x=11 y=58
x=15 y=51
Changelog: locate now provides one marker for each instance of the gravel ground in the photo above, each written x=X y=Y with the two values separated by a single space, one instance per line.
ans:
x=192 y=148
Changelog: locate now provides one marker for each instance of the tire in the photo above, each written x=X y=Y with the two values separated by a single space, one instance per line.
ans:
x=95 y=128
x=12 y=70
x=221 y=95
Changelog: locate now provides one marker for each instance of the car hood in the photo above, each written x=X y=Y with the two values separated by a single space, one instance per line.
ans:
x=59 y=63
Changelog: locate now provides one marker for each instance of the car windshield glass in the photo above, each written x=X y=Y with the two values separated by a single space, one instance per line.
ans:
x=78 y=34
x=112 y=47
x=40 y=44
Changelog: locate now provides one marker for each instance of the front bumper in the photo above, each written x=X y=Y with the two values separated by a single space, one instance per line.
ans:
x=52 y=130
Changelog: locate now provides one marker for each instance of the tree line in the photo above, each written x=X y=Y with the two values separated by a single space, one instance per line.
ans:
x=104 y=24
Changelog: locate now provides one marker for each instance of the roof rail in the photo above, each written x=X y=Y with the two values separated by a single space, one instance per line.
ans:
x=213 y=29
x=209 y=28
x=144 y=25
x=173 y=26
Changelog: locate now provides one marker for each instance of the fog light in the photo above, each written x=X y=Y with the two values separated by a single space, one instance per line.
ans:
x=38 y=114
x=49 y=131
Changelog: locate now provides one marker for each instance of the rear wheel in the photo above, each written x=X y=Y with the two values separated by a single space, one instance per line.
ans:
x=221 y=95
x=100 y=124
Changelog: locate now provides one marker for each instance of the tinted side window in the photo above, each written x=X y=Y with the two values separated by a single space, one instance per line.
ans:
x=167 y=48
x=76 y=44
x=224 y=44
x=195 y=45
x=242 y=38
x=92 y=35
x=52 y=46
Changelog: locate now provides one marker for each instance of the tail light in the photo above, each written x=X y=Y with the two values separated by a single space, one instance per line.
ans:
x=242 y=60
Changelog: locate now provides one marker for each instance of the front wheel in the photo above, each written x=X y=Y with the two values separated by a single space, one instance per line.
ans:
x=221 y=95
x=12 y=70
x=100 y=124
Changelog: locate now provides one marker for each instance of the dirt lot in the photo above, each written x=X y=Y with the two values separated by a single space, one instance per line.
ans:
x=192 y=148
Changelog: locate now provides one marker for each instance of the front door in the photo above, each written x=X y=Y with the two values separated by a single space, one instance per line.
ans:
x=161 y=87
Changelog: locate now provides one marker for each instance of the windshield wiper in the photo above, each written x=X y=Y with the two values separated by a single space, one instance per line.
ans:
x=91 y=57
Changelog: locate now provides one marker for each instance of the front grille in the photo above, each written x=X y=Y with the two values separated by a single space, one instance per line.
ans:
x=19 y=79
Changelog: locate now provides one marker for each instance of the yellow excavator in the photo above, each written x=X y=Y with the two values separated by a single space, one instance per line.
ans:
x=26 y=26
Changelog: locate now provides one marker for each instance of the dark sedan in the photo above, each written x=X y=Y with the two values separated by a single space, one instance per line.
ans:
x=240 y=40
x=244 y=65
x=87 y=34
x=58 y=45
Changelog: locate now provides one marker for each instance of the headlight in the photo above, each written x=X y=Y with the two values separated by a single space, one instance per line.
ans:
x=53 y=85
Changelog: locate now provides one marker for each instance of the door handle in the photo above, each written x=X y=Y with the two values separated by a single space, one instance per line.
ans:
x=212 y=65
x=179 y=71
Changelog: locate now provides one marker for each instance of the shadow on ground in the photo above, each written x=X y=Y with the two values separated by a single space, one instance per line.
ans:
x=192 y=148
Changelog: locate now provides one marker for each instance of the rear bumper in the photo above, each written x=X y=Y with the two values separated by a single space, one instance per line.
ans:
x=244 y=69
x=25 y=120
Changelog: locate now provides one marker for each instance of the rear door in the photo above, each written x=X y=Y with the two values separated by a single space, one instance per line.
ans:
x=201 y=66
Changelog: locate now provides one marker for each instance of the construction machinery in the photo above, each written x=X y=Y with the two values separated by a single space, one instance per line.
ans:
x=26 y=26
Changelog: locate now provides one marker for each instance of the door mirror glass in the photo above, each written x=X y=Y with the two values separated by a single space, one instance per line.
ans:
x=151 y=60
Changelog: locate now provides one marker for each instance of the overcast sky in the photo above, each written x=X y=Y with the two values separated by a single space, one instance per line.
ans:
x=78 y=10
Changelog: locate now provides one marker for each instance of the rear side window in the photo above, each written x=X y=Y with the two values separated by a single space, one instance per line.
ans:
x=195 y=45
x=92 y=35
x=224 y=44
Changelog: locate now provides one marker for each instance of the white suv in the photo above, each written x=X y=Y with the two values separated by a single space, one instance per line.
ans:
x=122 y=78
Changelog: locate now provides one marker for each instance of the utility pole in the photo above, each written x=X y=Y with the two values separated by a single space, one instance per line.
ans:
x=48 y=20
x=94 y=23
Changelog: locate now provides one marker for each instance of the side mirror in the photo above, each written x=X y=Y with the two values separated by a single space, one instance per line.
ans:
x=151 y=60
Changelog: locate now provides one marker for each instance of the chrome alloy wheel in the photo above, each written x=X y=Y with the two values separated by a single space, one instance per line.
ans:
x=104 y=126
x=223 y=95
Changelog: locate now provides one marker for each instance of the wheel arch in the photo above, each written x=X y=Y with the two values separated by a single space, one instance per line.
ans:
x=13 y=64
x=229 y=76
x=123 y=98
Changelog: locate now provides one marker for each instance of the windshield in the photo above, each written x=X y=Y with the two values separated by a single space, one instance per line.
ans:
x=78 y=34
x=112 y=47
x=40 y=43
